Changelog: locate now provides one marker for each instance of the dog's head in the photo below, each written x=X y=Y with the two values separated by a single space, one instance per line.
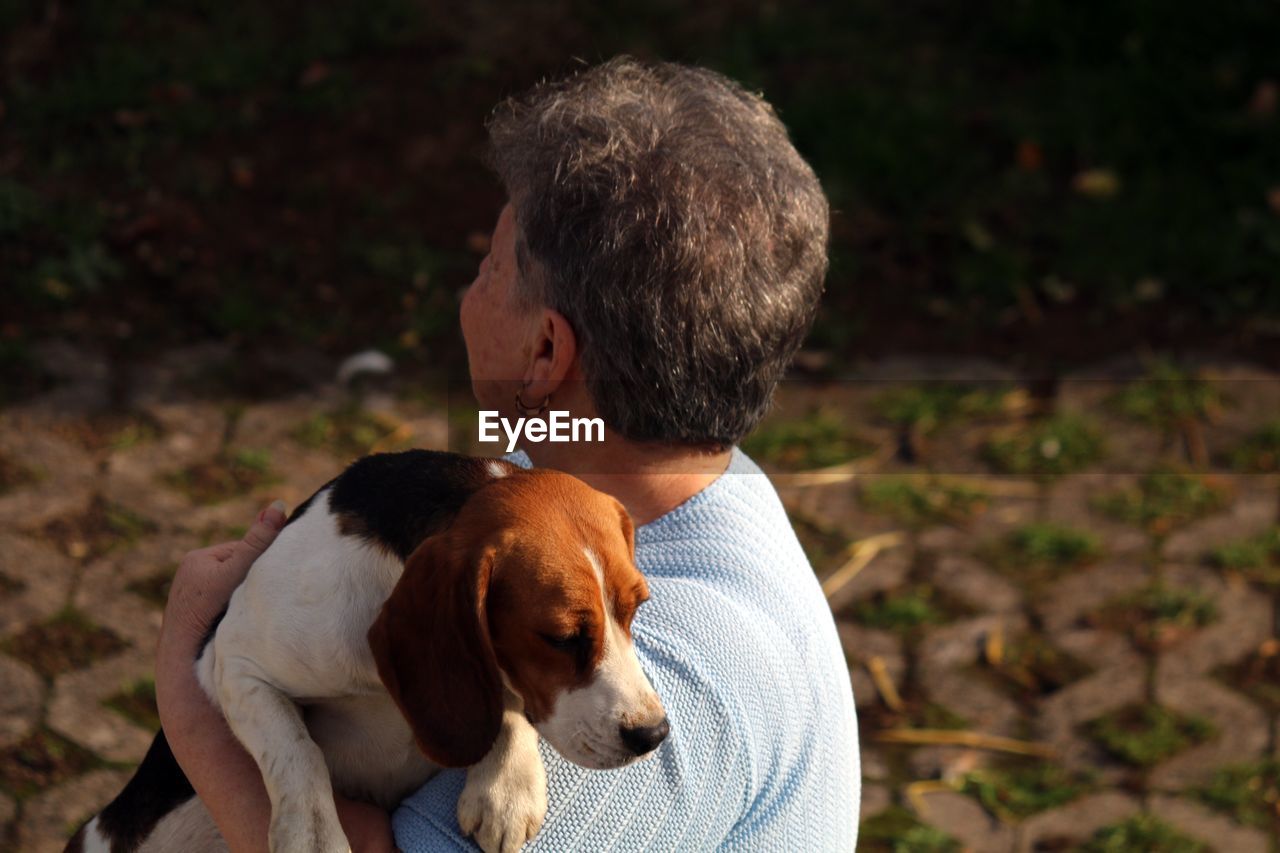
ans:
x=524 y=603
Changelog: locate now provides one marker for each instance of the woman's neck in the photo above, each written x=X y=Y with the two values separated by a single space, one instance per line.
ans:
x=649 y=481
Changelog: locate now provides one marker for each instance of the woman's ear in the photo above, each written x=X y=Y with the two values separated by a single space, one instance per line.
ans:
x=553 y=357
x=432 y=648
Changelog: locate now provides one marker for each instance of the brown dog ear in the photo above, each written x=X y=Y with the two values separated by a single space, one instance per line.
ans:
x=432 y=648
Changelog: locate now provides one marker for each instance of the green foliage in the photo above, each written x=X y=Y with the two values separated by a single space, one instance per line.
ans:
x=819 y=440
x=137 y=704
x=1021 y=790
x=1250 y=793
x=927 y=407
x=1164 y=499
x=348 y=431
x=920 y=502
x=905 y=609
x=1256 y=558
x=896 y=830
x=1046 y=449
x=126 y=524
x=1170 y=395
x=1052 y=545
x=1260 y=452
x=1158 y=615
x=1145 y=735
x=227 y=474
x=1142 y=834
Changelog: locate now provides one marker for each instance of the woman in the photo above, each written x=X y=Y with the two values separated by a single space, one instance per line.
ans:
x=658 y=264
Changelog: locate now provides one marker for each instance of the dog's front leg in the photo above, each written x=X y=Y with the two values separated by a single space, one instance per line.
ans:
x=270 y=726
x=505 y=797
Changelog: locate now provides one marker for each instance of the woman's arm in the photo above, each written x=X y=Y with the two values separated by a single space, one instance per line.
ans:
x=222 y=773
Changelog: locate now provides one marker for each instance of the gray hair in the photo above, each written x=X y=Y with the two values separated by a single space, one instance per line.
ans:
x=663 y=210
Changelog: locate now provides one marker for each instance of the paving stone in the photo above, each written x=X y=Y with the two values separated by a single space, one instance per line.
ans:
x=102 y=592
x=1070 y=503
x=1242 y=728
x=834 y=506
x=20 y=701
x=8 y=808
x=887 y=570
x=135 y=476
x=960 y=643
x=76 y=710
x=1251 y=514
x=945 y=538
x=875 y=799
x=946 y=762
x=46 y=577
x=873 y=764
x=1254 y=400
x=1208 y=826
x=975 y=585
x=1130 y=446
x=1006 y=514
x=49 y=818
x=64 y=472
x=1061 y=714
x=1066 y=601
x=963 y=818
x=1244 y=622
x=1097 y=648
x=986 y=708
x=861 y=645
x=1077 y=820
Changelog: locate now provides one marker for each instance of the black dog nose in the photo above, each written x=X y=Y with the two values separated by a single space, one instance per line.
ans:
x=644 y=739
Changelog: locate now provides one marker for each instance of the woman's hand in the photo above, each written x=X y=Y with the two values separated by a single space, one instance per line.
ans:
x=222 y=773
x=367 y=827
x=205 y=580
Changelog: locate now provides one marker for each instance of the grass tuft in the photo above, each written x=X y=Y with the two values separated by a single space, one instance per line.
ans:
x=1023 y=789
x=922 y=502
x=819 y=440
x=1260 y=452
x=1046 y=449
x=1250 y=793
x=1257 y=558
x=1145 y=735
x=1165 y=499
x=1142 y=834
x=1158 y=616
x=896 y=830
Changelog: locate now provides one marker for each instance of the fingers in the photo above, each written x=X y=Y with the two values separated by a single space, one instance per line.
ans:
x=263 y=532
x=207 y=577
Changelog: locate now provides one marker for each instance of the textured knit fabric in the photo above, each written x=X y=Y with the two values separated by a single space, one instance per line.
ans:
x=740 y=644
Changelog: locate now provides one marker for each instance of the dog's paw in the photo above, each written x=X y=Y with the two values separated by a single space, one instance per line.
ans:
x=503 y=806
x=300 y=832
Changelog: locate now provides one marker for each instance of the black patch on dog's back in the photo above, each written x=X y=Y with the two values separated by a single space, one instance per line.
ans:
x=396 y=500
x=157 y=788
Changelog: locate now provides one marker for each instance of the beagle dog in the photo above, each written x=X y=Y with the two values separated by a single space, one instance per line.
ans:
x=462 y=605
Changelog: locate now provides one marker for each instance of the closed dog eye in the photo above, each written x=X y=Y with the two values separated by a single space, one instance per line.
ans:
x=569 y=644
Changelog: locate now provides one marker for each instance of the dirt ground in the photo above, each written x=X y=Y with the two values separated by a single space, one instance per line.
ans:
x=1059 y=609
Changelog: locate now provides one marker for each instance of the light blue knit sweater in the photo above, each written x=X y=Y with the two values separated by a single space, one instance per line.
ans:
x=739 y=643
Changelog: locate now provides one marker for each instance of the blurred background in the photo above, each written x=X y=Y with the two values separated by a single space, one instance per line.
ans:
x=1044 y=182
x=1031 y=445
